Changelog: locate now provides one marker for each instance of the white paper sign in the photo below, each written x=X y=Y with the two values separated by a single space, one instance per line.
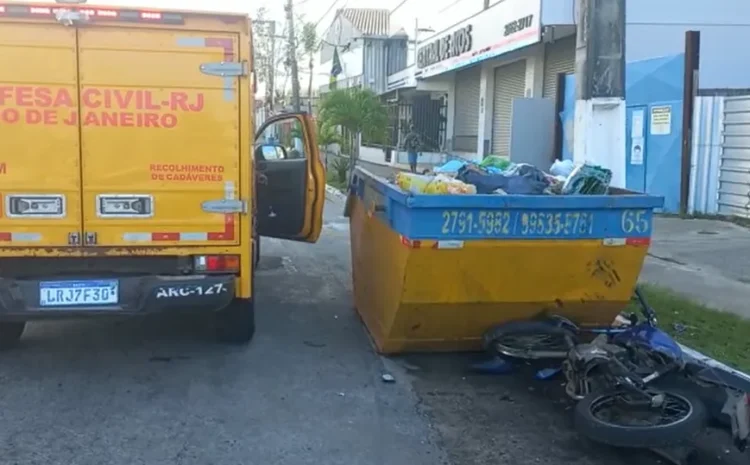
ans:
x=636 y=151
x=661 y=120
x=637 y=124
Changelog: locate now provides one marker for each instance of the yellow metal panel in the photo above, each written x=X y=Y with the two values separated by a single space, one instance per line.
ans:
x=429 y=299
x=39 y=150
x=153 y=124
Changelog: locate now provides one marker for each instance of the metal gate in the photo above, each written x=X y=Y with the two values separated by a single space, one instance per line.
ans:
x=510 y=83
x=466 y=121
x=559 y=57
x=734 y=175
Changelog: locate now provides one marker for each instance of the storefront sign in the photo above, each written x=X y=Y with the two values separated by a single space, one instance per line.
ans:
x=502 y=28
x=448 y=46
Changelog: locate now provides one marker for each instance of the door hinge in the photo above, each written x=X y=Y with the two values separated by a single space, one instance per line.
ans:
x=224 y=206
x=225 y=69
x=74 y=238
x=90 y=238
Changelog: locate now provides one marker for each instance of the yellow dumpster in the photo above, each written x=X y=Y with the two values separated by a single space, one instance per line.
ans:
x=433 y=272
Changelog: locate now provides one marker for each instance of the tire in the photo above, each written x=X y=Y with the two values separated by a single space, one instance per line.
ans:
x=256 y=250
x=236 y=323
x=562 y=339
x=10 y=333
x=642 y=437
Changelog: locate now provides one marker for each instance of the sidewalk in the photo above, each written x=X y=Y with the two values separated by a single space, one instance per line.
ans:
x=705 y=260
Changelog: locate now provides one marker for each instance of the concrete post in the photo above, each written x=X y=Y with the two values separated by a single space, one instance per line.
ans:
x=486 y=102
x=600 y=80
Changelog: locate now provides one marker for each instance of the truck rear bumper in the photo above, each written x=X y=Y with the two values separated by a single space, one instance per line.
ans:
x=33 y=299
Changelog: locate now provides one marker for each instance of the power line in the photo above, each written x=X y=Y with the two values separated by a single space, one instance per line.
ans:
x=450 y=5
x=327 y=11
x=397 y=7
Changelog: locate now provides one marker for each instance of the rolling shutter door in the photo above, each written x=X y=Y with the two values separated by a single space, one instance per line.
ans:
x=510 y=83
x=559 y=57
x=466 y=125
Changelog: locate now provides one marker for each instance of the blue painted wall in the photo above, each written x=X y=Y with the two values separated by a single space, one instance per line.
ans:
x=657 y=29
x=654 y=83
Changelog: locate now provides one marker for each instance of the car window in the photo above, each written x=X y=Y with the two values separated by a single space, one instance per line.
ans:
x=283 y=140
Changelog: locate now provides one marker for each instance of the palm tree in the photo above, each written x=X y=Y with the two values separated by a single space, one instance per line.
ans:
x=360 y=112
x=309 y=44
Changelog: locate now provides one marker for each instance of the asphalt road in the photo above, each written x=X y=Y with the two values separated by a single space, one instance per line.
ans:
x=308 y=390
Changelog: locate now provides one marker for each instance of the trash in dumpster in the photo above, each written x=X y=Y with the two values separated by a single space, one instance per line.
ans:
x=427 y=184
x=634 y=385
x=498 y=175
x=587 y=180
x=520 y=179
x=494 y=161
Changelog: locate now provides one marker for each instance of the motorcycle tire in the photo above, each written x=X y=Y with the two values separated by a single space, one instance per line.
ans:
x=497 y=339
x=677 y=433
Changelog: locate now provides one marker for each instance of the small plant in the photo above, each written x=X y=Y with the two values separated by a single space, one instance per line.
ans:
x=340 y=169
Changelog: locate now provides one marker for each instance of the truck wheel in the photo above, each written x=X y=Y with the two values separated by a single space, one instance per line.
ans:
x=10 y=333
x=236 y=323
x=256 y=250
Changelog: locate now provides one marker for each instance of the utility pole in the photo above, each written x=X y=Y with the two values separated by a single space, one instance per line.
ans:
x=600 y=86
x=293 y=57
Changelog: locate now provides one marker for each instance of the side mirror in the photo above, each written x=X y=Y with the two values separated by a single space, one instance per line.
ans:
x=270 y=152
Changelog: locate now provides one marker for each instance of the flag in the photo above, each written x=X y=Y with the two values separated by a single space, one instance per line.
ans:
x=335 y=68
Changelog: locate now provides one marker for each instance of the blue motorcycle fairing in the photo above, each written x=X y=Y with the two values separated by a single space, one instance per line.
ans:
x=651 y=337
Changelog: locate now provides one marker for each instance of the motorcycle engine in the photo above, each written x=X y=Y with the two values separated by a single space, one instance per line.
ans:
x=583 y=370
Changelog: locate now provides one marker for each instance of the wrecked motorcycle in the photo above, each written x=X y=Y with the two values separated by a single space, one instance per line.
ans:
x=634 y=385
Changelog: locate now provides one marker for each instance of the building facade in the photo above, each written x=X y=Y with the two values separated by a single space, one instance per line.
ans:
x=502 y=69
x=368 y=52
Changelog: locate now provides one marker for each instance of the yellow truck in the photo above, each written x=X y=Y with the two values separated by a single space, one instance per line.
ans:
x=132 y=179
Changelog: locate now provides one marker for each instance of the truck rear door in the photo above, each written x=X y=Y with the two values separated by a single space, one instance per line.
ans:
x=40 y=169
x=160 y=136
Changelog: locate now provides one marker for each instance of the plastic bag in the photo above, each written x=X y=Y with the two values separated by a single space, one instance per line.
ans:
x=588 y=180
x=414 y=183
x=436 y=185
x=445 y=185
x=562 y=168
x=495 y=161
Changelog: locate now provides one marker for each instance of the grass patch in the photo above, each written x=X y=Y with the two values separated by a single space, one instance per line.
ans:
x=336 y=182
x=723 y=336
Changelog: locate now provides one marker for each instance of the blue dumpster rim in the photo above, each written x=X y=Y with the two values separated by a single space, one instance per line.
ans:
x=489 y=201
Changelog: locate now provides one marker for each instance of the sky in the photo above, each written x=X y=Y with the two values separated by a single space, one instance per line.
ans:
x=430 y=14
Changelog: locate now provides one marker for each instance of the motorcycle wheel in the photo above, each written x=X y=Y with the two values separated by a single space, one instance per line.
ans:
x=611 y=418
x=529 y=340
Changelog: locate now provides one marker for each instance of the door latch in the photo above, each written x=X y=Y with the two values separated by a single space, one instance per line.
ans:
x=90 y=238
x=74 y=238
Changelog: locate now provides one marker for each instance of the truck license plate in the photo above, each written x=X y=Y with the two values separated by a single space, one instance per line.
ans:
x=78 y=293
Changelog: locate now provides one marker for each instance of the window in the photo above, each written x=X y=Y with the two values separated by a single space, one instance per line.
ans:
x=282 y=140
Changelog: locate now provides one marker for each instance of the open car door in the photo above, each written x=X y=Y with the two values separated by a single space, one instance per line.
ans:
x=289 y=179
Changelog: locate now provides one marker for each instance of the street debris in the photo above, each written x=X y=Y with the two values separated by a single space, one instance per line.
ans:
x=387 y=378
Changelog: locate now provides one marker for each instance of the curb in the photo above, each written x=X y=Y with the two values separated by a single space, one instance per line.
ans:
x=332 y=191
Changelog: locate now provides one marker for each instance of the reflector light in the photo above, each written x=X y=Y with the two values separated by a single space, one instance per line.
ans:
x=106 y=13
x=37 y=206
x=125 y=206
x=2 y=9
x=150 y=15
x=216 y=263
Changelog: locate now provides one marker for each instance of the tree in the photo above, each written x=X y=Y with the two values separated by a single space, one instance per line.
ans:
x=310 y=46
x=359 y=111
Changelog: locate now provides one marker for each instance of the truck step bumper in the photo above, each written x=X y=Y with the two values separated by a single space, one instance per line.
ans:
x=54 y=298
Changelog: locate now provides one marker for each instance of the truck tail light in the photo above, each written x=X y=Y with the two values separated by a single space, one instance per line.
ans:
x=125 y=206
x=216 y=263
x=34 y=206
